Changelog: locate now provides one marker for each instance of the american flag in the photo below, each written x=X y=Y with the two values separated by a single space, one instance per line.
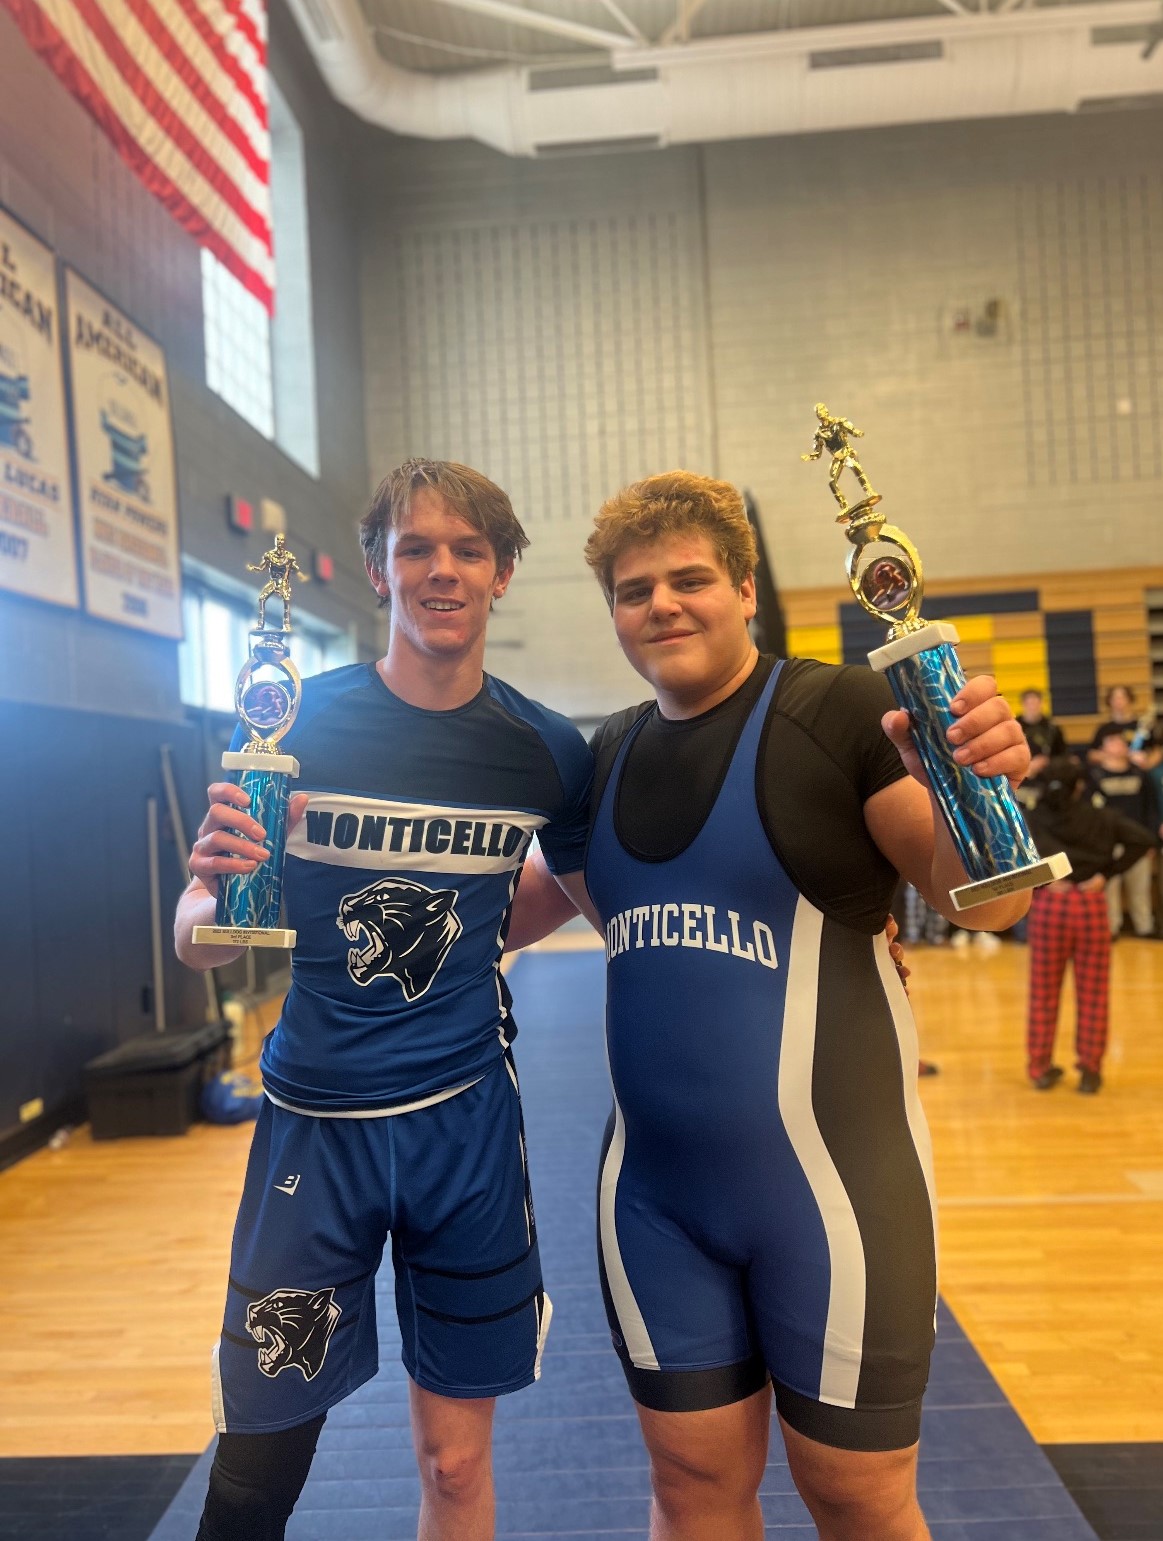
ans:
x=179 y=86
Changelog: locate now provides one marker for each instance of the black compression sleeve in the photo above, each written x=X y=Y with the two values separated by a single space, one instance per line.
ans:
x=255 y=1482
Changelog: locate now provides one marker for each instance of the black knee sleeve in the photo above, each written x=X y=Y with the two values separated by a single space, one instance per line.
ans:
x=255 y=1482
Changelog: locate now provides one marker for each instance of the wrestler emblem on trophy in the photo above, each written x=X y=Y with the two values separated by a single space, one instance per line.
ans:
x=832 y=435
x=281 y=564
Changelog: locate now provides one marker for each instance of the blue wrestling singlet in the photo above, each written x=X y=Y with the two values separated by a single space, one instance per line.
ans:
x=765 y=1204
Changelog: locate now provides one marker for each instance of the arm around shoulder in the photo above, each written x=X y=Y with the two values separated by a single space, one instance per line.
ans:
x=539 y=906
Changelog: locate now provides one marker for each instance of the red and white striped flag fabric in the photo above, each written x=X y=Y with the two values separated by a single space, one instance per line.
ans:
x=179 y=86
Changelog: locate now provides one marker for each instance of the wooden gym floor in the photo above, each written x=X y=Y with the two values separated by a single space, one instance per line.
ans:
x=115 y=1254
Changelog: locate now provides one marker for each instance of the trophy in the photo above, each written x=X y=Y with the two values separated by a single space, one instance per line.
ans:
x=884 y=573
x=266 y=697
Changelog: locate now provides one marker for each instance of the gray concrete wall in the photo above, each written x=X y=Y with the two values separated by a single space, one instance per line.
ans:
x=839 y=268
x=545 y=323
x=984 y=299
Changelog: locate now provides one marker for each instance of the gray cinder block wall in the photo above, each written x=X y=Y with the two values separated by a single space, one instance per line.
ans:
x=984 y=299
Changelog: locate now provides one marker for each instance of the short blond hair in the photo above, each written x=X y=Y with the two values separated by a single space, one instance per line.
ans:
x=672 y=503
x=474 y=497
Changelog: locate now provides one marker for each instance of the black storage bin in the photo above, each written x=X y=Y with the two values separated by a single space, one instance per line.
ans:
x=151 y=1084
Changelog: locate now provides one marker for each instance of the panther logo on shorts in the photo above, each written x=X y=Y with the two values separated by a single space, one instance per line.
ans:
x=293 y=1328
x=409 y=930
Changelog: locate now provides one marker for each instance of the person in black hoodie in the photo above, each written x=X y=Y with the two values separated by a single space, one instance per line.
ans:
x=1068 y=920
x=1116 y=782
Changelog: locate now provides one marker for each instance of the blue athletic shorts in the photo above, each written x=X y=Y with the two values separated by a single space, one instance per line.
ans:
x=449 y=1184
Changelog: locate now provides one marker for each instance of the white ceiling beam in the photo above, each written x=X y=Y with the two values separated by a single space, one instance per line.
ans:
x=623 y=20
x=519 y=16
x=680 y=27
x=1034 y=61
x=493 y=55
x=952 y=5
x=869 y=34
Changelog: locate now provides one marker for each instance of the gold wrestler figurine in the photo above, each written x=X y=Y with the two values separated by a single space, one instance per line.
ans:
x=280 y=563
x=884 y=567
x=832 y=435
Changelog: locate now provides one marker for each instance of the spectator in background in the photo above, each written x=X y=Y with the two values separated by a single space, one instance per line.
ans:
x=1068 y=920
x=1117 y=783
x=1137 y=732
x=1046 y=743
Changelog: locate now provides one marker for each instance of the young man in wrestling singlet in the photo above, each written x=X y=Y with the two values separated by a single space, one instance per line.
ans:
x=766 y=1215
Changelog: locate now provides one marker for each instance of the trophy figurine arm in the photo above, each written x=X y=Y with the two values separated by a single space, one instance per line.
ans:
x=905 y=820
x=816 y=450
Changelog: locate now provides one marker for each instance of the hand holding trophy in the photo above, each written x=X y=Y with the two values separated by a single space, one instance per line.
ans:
x=885 y=576
x=266 y=697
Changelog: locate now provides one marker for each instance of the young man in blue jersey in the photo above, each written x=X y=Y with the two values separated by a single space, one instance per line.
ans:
x=766 y=1220
x=392 y=1103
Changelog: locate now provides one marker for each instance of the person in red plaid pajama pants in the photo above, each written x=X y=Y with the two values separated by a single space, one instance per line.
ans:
x=1068 y=921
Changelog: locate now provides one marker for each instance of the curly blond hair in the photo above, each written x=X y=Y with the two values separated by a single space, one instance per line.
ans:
x=674 y=502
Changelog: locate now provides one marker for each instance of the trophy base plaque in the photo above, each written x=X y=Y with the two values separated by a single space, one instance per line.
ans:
x=244 y=936
x=1046 y=871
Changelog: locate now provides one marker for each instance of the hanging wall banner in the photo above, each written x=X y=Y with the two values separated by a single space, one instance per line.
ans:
x=37 y=550
x=125 y=465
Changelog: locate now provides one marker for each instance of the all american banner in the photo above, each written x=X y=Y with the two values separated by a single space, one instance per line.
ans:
x=37 y=552
x=126 y=490
x=179 y=86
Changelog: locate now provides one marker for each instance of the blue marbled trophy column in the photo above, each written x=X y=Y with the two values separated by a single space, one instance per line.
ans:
x=986 y=824
x=253 y=899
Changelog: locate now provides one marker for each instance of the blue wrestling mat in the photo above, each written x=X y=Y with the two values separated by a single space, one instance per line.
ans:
x=569 y=1459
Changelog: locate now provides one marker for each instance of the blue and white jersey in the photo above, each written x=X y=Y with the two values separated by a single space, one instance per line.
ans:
x=399 y=880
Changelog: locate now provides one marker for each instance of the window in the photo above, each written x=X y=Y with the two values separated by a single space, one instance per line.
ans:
x=292 y=336
x=217 y=624
x=264 y=368
x=238 y=346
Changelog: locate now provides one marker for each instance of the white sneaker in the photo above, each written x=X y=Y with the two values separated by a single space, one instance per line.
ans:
x=986 y=942
x=959 y=940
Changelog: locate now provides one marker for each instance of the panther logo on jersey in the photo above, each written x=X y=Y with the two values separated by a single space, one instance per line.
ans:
x=409 y=930
x=293 y=1328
